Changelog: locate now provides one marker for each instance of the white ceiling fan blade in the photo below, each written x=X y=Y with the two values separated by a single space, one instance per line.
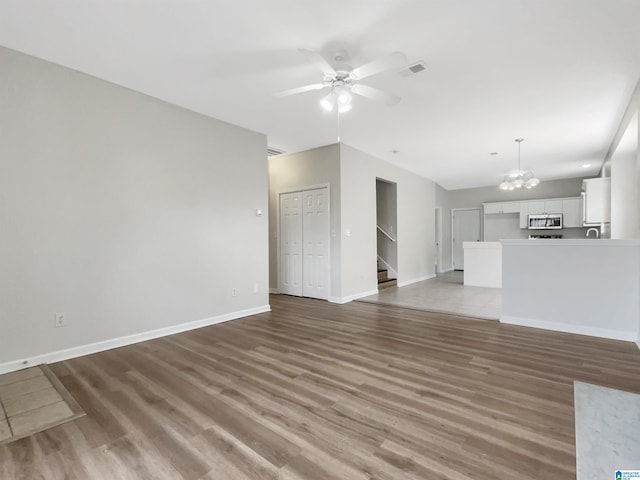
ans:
x=306 y=88
x=375 y=94
x=393 y=60
x=319 y=61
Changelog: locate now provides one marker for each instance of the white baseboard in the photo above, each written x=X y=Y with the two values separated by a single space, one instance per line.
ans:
x=88 y=349
x=404 y=283
x=275 y=291
x=569 y=328
x=445 y=270
x=350 y=298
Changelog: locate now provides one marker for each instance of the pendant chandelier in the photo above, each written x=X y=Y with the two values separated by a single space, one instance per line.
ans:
x=520 y=178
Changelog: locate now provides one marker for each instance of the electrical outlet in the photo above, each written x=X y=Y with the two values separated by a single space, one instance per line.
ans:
x=59 y=320
x=234 y=292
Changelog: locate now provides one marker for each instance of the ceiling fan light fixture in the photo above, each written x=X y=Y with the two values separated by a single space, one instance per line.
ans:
x=343 y=97
x=327 y=103
x=343 y=80
x=338 y=97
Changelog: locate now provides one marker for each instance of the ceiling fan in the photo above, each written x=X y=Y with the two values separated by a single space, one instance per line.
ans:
x=343 y=80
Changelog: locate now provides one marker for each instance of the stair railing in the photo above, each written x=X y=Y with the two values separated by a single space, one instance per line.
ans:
x=385 y=233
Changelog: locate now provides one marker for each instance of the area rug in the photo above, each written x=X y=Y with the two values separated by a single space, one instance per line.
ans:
x=607 y=433
x=31 y=401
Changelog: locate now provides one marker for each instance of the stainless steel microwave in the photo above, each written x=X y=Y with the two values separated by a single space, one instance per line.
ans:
x=548 y=221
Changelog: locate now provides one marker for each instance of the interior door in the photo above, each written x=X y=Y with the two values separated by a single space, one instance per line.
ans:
x=290 y=277
x=466 y=228
x=315 y=249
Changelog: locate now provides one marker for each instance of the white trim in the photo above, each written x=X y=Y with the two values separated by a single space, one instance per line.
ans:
x=445 y=271
x=90 y=348
x=568 y=328
x=350 y=298
x=274 y=291
x=303 y=189
x=404 y=283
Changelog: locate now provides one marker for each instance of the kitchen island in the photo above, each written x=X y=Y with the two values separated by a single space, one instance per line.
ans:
x=482 y=264
x=590 y=287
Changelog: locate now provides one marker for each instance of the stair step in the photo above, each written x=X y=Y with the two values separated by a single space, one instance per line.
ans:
x=391 y=282
x=382 y=275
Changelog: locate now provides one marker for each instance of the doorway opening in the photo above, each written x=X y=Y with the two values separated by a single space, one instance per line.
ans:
x=386 y=232
x=465 y=227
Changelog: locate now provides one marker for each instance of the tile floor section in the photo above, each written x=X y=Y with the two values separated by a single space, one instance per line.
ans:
x=607 y=426
x=445 y=293
x=30 y=403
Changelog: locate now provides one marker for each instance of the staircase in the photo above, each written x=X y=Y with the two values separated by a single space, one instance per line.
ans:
x=384 y=281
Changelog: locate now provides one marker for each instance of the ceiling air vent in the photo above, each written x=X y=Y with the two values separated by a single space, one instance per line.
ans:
x=272 y=152
x=413 y=69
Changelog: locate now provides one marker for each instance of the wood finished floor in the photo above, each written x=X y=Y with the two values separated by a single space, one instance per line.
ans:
x=314 y=390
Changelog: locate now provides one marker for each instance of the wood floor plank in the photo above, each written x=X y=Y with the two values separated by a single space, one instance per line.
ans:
x=315 y=390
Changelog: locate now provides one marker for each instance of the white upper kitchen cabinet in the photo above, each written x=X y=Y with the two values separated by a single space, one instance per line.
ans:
x=571 y=209
x=597 y=201
x=501 y=207
x=553 y=206
x=538 y=207
x=572 y=212
x=524 y=214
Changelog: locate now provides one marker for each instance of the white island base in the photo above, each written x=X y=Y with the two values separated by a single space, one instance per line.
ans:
x=589 y=287
x=483 y=264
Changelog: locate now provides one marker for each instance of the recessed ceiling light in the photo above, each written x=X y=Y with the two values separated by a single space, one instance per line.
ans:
x=586 y=165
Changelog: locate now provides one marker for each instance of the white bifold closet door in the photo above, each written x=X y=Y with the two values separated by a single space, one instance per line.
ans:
x=304 y=243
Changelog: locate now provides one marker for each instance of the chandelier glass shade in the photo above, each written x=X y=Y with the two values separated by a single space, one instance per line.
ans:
x=520 y=178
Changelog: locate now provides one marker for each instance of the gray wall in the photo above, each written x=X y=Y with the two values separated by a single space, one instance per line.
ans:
x=124 y=212
x=625 y=221
x=415 y=233
x=320 y=166
x=475 y=197
x=351 y=175
x=630 y=116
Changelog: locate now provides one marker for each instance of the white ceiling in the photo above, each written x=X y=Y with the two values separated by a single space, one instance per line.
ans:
x=557 y=72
